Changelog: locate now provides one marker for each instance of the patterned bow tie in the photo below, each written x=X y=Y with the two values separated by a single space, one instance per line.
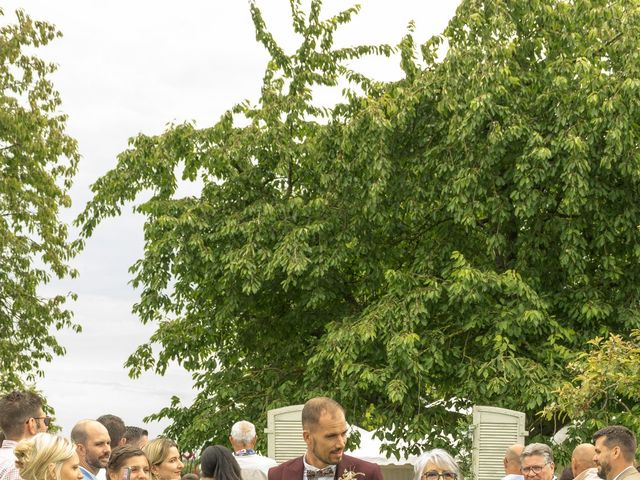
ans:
x=324 y=472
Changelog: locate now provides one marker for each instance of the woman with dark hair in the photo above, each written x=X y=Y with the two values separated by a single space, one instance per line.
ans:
x=128 y=463
x=218 y=463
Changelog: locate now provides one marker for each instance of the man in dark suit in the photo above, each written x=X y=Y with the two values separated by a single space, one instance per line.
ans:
x=324 y=429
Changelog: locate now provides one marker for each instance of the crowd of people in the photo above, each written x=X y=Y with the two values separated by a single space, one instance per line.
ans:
x=611 y=456
x=106 y=449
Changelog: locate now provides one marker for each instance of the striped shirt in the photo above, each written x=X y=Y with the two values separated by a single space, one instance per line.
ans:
x=8 y=469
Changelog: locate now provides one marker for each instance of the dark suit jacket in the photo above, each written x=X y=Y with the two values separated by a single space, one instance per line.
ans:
x=294 y=469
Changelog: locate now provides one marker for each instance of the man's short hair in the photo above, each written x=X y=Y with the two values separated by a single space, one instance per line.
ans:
x=537 y=449
x=243 y=432
x=511 y=460
x=15 y=409
x=115 y=427
x=618 y=436
x=315 y=407
x=582 y=458
x=133 y=434
x=512 y=455
x=79 y=432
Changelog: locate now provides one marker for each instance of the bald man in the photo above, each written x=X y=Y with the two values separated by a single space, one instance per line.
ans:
x=93 y=446
x=582 y=464
x=511 y=462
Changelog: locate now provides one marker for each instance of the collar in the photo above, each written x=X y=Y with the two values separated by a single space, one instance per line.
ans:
x=86 y=473
x=588 y=474
x=9 y=444
x=244 y=452
x=311 y=468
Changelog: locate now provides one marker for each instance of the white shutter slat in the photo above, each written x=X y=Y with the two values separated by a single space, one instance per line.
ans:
x=284 y=433
x=494 y=430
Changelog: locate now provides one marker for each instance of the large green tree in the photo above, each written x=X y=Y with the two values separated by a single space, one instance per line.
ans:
x=604 y=390
x=450 y=239
x=37 y=163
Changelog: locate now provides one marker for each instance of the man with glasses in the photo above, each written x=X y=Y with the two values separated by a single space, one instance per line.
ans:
x=615 y=452
x=21 y=417
x=536 y=462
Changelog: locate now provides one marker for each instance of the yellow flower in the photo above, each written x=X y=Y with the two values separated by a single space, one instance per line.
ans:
x=350 y=475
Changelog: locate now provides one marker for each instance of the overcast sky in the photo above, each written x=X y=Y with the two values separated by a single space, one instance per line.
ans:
x=131 y=66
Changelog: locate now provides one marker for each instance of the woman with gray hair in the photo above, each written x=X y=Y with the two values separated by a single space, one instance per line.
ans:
x=436 y=464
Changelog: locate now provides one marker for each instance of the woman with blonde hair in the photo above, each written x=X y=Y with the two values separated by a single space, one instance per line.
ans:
x=47 y=457
x=436 y=464
x=164 y=459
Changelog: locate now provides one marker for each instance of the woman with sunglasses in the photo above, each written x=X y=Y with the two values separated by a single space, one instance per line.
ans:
x=436 y=464
x=128 y=463
x=47 y=457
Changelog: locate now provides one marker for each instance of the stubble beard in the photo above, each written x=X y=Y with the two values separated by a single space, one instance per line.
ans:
x=324 y=460
x=603 y=470
x=97 y=462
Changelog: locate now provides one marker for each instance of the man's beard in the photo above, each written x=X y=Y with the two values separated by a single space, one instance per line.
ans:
x=325 y=460
x=603 y=470
x=97 y=463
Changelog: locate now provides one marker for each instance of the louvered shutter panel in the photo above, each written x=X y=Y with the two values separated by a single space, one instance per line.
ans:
x=284 y=433
x=494 y=430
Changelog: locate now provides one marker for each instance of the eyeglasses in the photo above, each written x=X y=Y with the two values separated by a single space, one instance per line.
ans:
x=46 y=420
x=434 y=475
x=535 y=469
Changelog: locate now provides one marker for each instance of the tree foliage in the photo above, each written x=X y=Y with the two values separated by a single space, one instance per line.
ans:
x=449 y=239
x=604 y=389
x=37 y=163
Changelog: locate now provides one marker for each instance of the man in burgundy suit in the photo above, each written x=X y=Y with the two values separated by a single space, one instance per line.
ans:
x=324 y=429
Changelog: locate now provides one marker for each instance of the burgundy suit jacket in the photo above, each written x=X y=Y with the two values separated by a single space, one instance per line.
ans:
x=294 y=469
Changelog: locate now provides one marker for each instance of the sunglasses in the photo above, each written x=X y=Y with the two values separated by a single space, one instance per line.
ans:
x=46 y=420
